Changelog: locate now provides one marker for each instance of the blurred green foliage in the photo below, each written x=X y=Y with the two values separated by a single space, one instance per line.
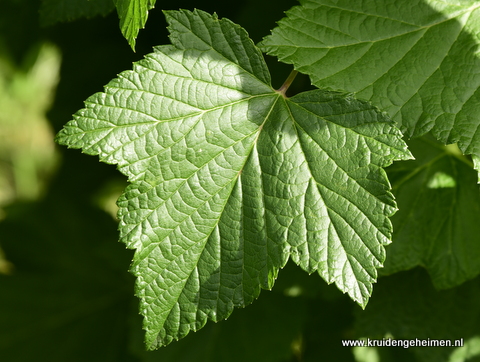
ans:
x=27 y=152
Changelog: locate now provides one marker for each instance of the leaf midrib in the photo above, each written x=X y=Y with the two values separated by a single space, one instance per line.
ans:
x=206 y=238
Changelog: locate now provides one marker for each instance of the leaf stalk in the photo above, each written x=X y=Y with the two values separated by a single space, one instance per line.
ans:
x=283 y=89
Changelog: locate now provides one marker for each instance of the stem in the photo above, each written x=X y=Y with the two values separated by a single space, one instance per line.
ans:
x=283 y=89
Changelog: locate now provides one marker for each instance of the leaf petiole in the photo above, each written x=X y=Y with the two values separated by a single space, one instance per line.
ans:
x=283 y=89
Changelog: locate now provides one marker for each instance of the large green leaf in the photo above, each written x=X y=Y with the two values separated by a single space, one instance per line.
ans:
x=437 y=224
x=133 y=16
x=230 y=178
x=417 y=60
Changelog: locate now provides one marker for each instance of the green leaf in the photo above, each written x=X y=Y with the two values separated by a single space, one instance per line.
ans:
x=416 y=60
x=437 y=222
x=230 y=178
x=53 y=11
x=133 y=16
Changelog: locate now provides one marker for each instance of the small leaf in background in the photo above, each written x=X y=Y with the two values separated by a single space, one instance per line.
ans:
x=133 y=16
x=54 y=11
x=437 y=223
x=27 y=151
x=6 y=267
x=416 y=60
x=229 y=178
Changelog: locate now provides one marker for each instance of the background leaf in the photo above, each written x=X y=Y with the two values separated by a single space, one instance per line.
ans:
x=437 y=224
x=133 y=16
x=53 y=11
x=416 y=60
x=27 y=151
x=199 y=131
